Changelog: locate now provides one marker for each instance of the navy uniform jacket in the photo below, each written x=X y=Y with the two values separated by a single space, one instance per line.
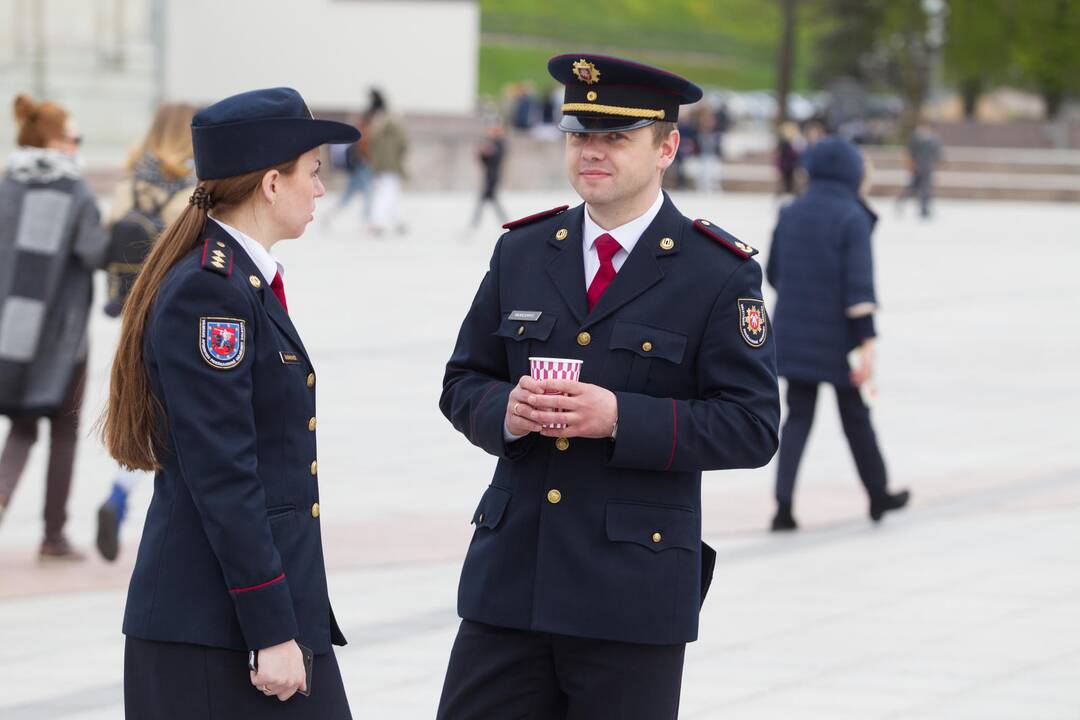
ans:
x=231 y=555
x=590 y=537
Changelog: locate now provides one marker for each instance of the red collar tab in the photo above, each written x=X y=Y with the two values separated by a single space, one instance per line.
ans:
x=721 y=236
x=217 y=257
x=528 y=220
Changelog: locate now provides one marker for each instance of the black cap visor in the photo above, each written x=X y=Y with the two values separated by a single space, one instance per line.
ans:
x=594 y=124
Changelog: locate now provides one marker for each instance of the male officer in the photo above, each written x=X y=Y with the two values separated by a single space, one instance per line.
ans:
x=586 y=571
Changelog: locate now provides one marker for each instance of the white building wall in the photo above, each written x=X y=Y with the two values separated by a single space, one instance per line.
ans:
x=423 y=54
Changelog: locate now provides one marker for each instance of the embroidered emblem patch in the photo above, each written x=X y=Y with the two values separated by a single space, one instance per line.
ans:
x=586 y=72
x=222 y=341
x=753 y=326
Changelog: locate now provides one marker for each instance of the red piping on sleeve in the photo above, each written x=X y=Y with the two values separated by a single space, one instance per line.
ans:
x=674 y=432
x=279 y=578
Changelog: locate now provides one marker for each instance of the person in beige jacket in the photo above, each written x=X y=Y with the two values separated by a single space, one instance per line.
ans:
x=143 y=204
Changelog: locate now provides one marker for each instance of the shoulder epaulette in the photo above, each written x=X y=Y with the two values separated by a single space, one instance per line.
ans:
x=514 y=224
x=217 y=257
x=725 y=238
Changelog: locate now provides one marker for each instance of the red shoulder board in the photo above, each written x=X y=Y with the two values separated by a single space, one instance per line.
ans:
x=513 y=224
x=217 y=257
x=726 y=239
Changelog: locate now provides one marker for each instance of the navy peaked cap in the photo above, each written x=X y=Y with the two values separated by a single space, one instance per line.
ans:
x=605 y=94
x=259 y=129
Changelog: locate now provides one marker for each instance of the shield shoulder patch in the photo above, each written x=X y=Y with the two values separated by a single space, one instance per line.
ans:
x=753 y=325
x=222 y=341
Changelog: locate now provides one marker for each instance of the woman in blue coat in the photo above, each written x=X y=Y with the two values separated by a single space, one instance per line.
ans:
x=821 y=266
x=228 y=613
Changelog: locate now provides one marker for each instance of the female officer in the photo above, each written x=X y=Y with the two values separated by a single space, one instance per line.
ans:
x=820 y=264
x=213 y=389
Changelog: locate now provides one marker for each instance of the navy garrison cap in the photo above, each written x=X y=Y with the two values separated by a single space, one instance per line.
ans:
x=259 y=129
x=606 y=94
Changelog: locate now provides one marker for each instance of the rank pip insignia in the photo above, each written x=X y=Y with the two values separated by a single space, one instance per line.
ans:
x=752 y=323
x=586 y=72
x=222 y=341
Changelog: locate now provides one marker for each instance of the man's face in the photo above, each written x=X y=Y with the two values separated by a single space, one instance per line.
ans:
x=612 y=167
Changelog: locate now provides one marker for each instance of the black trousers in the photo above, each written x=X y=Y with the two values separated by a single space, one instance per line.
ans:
x=165 y=680
x=503 y=674
x=855 y=417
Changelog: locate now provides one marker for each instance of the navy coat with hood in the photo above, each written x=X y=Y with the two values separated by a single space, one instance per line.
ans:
x=821 y=266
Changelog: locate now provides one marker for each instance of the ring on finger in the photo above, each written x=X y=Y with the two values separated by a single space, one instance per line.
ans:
x=516 y=405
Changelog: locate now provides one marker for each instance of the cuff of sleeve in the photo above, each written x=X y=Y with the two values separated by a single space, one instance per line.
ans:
x=266 y=614
x=862 y=327
x=489 y=424
x=648 y=432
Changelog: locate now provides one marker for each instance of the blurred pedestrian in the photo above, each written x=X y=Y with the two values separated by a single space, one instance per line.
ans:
x=821 y=266
x=355 y=161
x=51 y=241
x=143 y=205
x=787 y=157
x=709 y=148
x=212 y=388
x=491 y=155
x=923 y=155
x=388 y=145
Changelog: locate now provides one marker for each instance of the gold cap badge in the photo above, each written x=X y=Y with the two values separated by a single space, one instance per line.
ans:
x=586 y=72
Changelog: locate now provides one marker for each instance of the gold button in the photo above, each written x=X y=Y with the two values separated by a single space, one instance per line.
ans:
x=220 y=244
x=591 y=96
x=646 y=346
x=584 y=339
x=667 y=244
x=554 y=496
x=315 y=510
x=521 y=330
x=561 y=235
x=314 y=467
x=255 y=281
x=311 y=424
x=562 y=444
x=657 y=537
x=480 y=519
x=311 y=379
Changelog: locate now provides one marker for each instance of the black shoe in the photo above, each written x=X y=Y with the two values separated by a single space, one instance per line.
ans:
x=783 y=520
x=887 y=503
x=108 y=531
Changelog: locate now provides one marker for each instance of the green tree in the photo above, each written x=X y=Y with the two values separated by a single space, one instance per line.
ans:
x=980 y=46
x=1047 y=51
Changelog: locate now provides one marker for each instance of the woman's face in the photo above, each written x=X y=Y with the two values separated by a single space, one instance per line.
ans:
x=293 y=196
x=70 y=141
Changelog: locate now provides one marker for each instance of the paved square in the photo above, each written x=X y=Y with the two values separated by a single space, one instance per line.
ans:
x=965 y=606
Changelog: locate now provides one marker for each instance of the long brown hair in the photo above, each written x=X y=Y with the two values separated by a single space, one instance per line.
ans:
x=39 y=122
x=130 y=425
x=168 y=140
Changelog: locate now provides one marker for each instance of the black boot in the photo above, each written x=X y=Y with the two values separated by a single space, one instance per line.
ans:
x=887 y=502
x=784 y=520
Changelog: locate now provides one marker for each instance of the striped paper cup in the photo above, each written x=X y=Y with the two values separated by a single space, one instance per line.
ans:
x=543 y=368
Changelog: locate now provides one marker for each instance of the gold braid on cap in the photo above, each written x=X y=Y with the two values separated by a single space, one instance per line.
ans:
x=201 y=199
x=613 y=110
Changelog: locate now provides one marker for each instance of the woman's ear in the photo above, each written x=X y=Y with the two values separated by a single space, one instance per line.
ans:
x=270 y=185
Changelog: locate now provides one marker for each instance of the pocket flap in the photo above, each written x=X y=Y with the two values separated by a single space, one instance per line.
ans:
x=648 y=341
x=491 y=508
x=657 y=527
x=527 y=329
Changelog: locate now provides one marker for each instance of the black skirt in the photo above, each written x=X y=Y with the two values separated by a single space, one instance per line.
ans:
x=165 y=680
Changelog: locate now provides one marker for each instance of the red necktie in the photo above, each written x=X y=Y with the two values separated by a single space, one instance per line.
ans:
x=606 y=247
x=278 y=286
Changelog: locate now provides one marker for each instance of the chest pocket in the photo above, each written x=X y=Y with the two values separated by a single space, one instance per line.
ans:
x=523 y=338
x=642 y=345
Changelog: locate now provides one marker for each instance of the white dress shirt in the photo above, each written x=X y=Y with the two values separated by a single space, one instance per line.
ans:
x=626 y=235
x=264 y=261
